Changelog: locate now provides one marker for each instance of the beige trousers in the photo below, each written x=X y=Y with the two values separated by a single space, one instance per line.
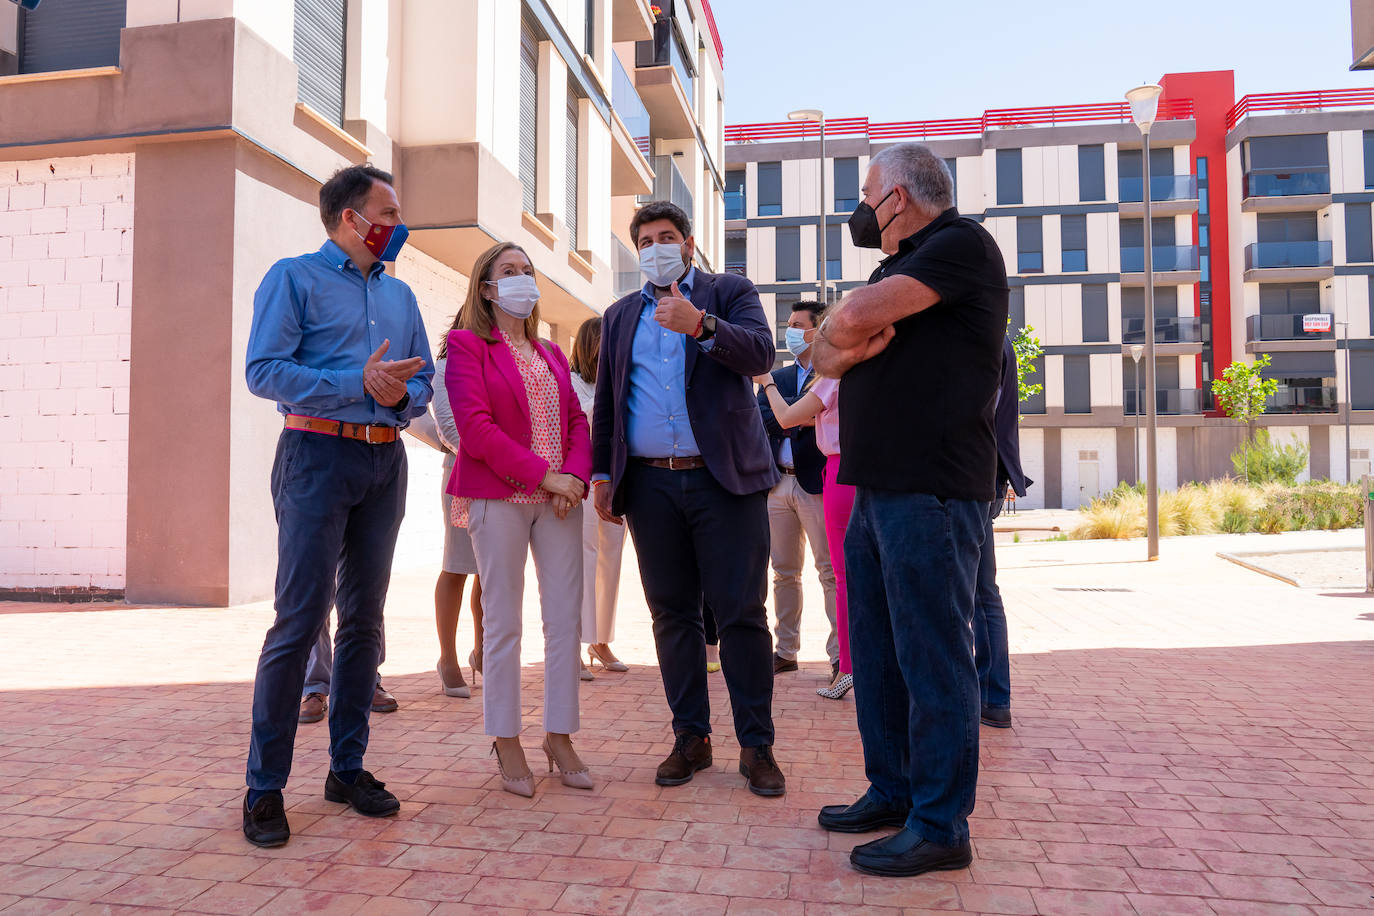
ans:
x=796 y=518
x=602 y=546
x=503 y=535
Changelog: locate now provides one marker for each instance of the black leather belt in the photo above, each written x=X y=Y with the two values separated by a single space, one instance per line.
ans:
x=690 y=463
x=791 y=472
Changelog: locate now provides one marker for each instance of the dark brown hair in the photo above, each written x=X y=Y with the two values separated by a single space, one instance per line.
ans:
x=347 y=189
x=587 y=349
x=660 y=209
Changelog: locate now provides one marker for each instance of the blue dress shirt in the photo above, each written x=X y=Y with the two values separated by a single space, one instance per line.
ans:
x=657 y=425
x=316 y=320
x=785 y=450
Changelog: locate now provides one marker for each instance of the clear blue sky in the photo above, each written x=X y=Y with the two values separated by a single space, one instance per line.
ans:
x=916 y=59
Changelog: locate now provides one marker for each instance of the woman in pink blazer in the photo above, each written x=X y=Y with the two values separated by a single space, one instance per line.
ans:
x=524 y=459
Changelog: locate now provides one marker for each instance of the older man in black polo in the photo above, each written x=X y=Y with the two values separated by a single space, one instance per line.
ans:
x=930 y=322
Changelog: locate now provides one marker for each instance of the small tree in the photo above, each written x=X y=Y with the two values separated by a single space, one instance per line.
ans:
x=1028 y=349
x=1243 y=393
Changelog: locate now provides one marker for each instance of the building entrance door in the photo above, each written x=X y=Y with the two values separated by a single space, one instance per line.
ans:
x=1089 y=484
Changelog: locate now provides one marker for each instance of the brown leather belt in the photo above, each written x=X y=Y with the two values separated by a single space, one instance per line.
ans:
x=674 y=464
x=791 y=472
x=372 y=435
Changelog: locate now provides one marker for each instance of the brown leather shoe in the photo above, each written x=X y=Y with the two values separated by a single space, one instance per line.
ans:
x=759 y=767
x=690 y=753
x=782 y=665
x=383 y=701
x=313 y=707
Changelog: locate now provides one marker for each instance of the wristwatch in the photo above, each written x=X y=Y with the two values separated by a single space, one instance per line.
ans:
x=708 y=328
x=403 y=403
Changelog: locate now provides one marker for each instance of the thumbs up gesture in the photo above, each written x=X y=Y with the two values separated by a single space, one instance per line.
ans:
x=676 y=313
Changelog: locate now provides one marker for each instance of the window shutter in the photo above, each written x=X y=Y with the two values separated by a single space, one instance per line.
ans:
x=529 y=110
x=71 y=35
x=570 y=170
x=320 y=32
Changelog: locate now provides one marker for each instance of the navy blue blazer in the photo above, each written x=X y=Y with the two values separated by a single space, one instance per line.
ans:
x=720 y=390
x=807 y=459
x=1007 y=425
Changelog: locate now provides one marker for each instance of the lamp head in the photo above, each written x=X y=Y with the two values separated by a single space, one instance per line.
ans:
x=1144 y=105
x=1136 y=350
x=806 y=114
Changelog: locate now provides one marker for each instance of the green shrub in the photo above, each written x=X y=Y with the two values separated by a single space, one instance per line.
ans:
x=1264 y=460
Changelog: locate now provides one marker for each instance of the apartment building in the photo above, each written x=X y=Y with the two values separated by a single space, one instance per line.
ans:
x=1240 y=266
x=157 y=156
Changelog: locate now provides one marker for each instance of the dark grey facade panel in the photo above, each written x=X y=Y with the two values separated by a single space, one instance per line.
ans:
x=1009 y=176
x=1359 y=245
x=1095 y=325
x=1302 y=364
x=787 y=258
x=1092 y=172
x=1362 y=380
x=1062 y=279
x=1078 y=384
x=1081 y=349
x=71 y=35
x=1049 y=210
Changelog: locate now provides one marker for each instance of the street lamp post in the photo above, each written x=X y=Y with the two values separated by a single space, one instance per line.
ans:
x=1144 y=106
x=1349 y=404
x=815 y=114
x=1136 y=350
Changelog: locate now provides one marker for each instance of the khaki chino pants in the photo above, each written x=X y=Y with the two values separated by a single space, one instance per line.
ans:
x=797 y=518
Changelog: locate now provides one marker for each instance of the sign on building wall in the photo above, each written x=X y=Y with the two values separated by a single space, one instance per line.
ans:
x=1316 y=323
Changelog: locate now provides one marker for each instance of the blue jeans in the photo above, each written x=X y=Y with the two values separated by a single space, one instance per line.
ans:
x=339 y=504
x=991 y=651
x=912 y=560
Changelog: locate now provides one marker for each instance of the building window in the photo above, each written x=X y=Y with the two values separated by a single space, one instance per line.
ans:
x=952 y=164
x=1280 y=166
x=788 y=253
x=1362 y=380
x=1036 y=402
x=846 y=184
x=1073 y=231
x=1095 y=313
x=736 y=252
x=1357 y=236
x=832 y=253
x=735 y=203
x=1092 y=172
x=1077 y=384
x=770 y=189
x=319 y=52
x=1369 y=159
x=1009 y=176
x=1289 y=298
x=529 y=111
x=589 y=31
x=1131 y=181
x=1030 y=252
x=571 y=168
x=71 y=35
x=1016 y=310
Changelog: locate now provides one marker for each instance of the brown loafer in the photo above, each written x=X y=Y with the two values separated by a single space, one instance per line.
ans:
x=383 y=701
x=690 y=753
x=758 y=766
x=313 y=707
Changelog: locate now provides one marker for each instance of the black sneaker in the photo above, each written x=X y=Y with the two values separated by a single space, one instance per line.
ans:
x=367 y=795
x=996 y=716
x=265 y=823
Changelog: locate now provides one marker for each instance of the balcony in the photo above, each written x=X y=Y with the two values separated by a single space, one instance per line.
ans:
x=663 y=76
x=1168 y=330
x=669 y=185
x=735 y=205
x=631 y=20
x=1169 y=402
x=625 y=267
x=1320 y=399
x=630 y=171
x=1271 y=191
x=1288 y=261
x=1283 y=327
x=1170 y=195
x=1173 y=265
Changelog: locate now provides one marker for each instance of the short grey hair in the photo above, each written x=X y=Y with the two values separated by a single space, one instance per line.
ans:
x=922 y=174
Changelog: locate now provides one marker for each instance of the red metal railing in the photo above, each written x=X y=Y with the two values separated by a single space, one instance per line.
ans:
x=715 y=32
x=1299 y=101
x=993 y=119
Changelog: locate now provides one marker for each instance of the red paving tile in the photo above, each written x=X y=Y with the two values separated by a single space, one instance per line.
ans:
x=1226 y=766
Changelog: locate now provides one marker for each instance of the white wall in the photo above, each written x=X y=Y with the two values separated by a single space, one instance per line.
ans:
x=66 y=271
x=1033 y=466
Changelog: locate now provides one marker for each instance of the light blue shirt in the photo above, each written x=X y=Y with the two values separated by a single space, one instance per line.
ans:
x=785 y=451
x=657 y=425
x=316 y=320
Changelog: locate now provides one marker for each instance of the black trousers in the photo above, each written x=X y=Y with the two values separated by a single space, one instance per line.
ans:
x=697 y=541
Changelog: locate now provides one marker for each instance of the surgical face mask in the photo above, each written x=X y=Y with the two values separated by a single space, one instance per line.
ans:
x=797 y=344
x=516 y=296
x=383 y=241
x=863 y=224
x=661 y=264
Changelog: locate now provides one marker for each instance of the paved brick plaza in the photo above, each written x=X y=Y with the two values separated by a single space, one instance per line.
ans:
x=1222 y=763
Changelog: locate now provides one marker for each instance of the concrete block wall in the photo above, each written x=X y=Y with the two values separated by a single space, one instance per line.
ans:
x=66 y=272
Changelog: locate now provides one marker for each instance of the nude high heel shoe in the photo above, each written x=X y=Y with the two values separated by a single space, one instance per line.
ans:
x=615 y=664
x=523 y=786
x=577 y=779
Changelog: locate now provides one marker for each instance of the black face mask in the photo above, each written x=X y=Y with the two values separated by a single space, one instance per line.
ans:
x=863 y=224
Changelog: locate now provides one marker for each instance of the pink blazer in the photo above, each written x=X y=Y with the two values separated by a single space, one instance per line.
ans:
x=492 y=414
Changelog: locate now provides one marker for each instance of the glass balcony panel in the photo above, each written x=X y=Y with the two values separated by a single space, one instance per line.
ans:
x=1166 y=257
x=629 y=106
x=1269 y=183
x=668 y=184
x=1162 y=187
x=1169 y=402
x=1288 y=254
x=1303 y=400
x=1187 y=329
x=625 y=266
x=734 y=205
x=1283 y=327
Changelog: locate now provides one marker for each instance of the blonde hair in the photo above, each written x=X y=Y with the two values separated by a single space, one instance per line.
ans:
x=476 y=312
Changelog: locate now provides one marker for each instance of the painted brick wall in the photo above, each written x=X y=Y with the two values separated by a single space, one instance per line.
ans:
x=66 y=271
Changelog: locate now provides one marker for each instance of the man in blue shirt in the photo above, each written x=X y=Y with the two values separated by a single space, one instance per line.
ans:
x=679 y=450
x=322 y=325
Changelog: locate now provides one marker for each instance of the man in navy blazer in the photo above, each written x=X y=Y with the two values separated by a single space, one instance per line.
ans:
x=990 y=644
x=679 y=450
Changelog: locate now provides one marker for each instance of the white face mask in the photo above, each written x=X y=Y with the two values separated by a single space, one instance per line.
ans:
x=516 y=296
x=661 y=264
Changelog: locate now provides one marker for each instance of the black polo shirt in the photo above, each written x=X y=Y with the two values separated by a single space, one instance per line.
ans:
x=918 y=417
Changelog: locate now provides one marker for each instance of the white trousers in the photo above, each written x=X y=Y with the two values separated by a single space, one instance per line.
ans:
x=796 y=518
x=602 y=546
x=503 y=535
